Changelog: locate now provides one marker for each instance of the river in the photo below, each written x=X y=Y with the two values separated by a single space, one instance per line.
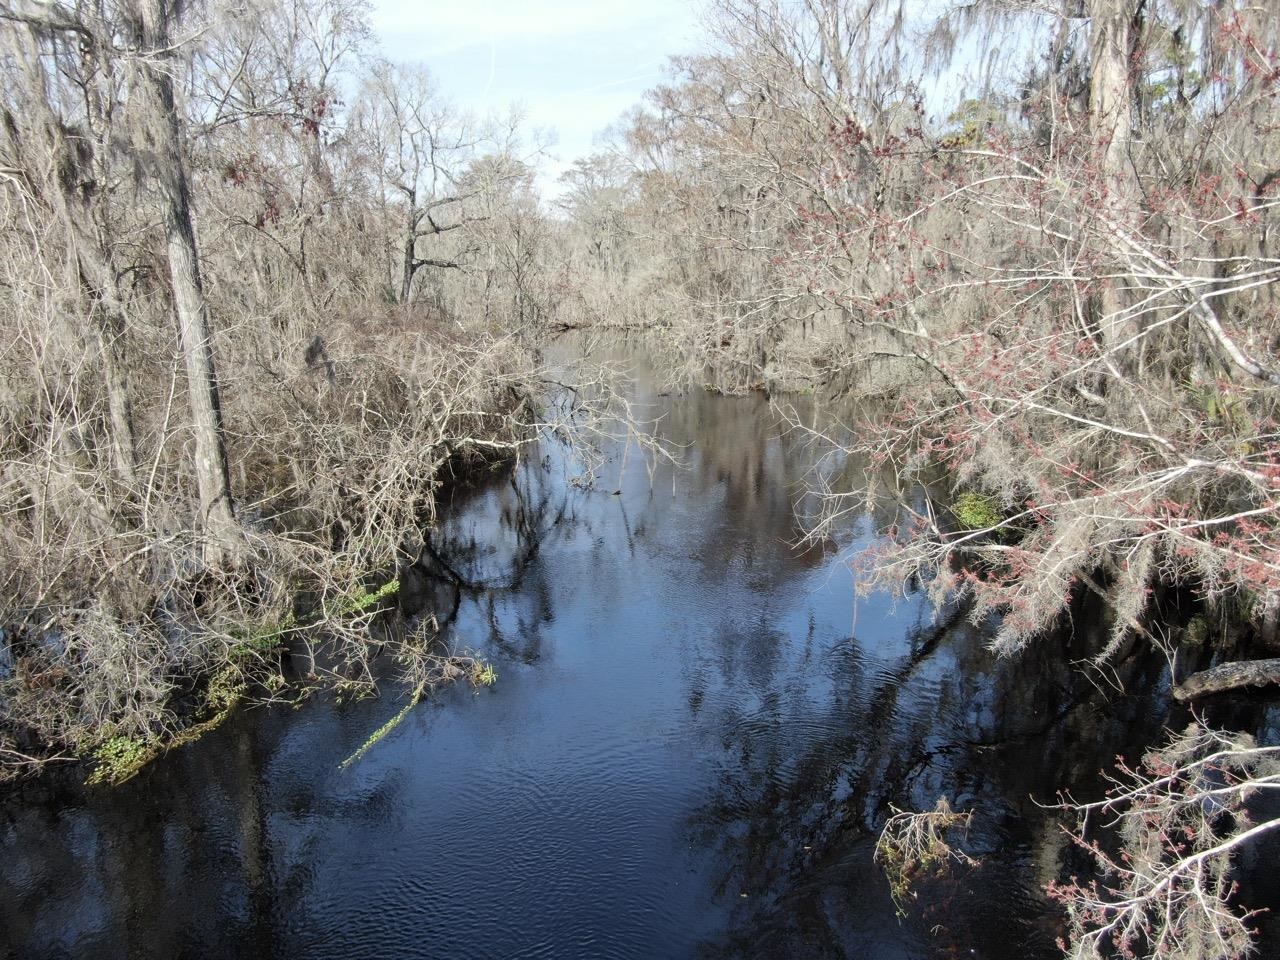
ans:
x=696 y=730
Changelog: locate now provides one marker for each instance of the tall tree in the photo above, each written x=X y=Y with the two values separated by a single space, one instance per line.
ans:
x=64 y=160
x=1111 y=105
x=163 y=150
x=424 y=145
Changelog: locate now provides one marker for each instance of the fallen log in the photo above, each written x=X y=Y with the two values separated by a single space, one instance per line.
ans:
x=1228 y=676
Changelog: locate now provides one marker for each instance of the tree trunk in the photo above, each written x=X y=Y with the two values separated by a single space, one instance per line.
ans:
x=1269 y=628
x=1110 y=96
x=1228 y=676
x=1111 y=119
x=42 y=143
x=408 y=267
x=111 y=326
x=223 y=537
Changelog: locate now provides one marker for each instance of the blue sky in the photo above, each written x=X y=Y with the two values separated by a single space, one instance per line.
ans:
x=575 y=65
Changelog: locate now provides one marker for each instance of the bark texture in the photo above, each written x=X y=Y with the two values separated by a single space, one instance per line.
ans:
x=223 y=537
x=1228 y=676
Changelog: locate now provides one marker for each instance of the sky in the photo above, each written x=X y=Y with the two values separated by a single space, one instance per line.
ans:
x=574 y=65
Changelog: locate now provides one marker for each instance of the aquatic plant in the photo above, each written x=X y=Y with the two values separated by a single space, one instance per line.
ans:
x=386 y=728
x=479 y=672
x=977 y=511
x=367 y=598
x=119 y=758
x=912 y=845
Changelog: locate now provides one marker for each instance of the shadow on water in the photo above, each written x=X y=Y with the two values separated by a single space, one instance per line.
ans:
x=692 y=743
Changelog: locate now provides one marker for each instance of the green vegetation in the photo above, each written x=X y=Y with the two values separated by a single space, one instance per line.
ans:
x=266 y=639
x=976 y=511
x=479 y=672
x=119 y=758
x=368 y=598
x=386 y=728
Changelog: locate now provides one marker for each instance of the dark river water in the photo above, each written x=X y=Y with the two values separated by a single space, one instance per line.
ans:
x=696 y=733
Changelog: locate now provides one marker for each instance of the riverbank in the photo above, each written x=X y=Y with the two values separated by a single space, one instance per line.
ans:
x=120 y=642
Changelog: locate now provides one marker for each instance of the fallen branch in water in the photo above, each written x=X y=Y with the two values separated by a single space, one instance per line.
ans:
x=911 y=844
x=386 y=728
x=480 y=674
x=1228 y=676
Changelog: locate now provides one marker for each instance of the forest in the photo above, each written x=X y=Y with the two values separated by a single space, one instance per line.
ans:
x=265 y=295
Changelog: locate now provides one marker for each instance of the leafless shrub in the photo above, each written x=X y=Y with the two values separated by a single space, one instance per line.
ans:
x=1180 y=817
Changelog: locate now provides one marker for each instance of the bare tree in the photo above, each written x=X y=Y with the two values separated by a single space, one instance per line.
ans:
x=63 y=164
x=424 y=144
x=162 y=131
x=160 y=144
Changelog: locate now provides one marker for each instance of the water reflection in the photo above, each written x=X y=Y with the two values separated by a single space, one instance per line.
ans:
x=696 y=732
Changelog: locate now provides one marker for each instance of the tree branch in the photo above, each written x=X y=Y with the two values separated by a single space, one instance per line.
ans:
x=1228 y=676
